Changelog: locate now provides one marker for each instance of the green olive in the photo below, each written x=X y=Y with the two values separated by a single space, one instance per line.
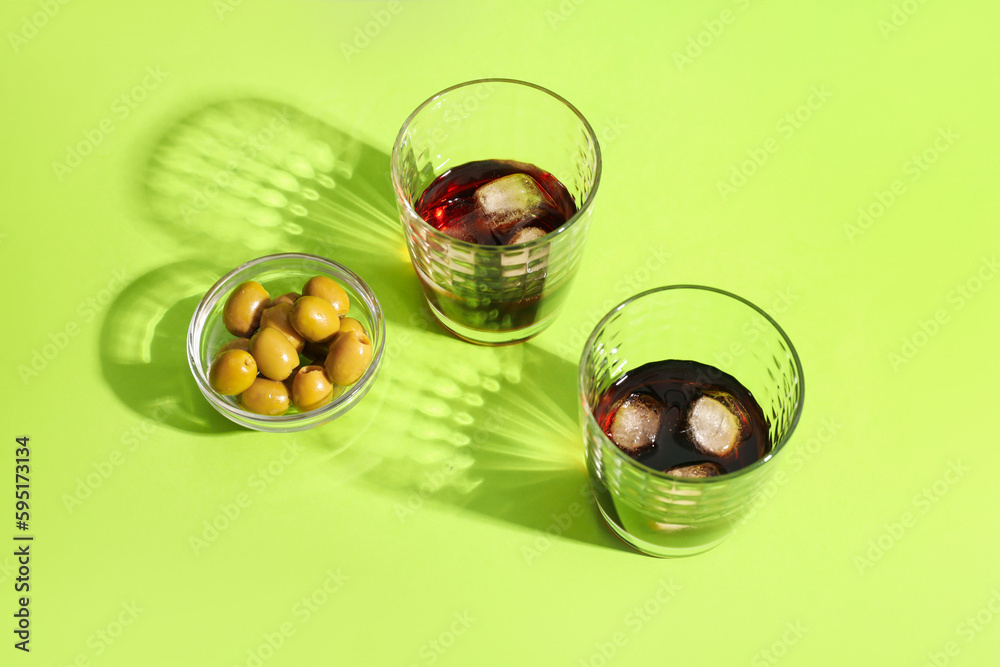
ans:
x=311 y=388
x=235 y=344
x=351 y=324
x=327 y=288
x=276 y=357
x=265 y=397
x=288 y=298
x=232 y=372
x=243 y=308
x=314 y=318
x=349 y=357
x=276 y=317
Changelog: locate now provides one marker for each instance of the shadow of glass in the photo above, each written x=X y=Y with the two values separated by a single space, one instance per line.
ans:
x=142 y=347
x=490 y=430
x=243 y=178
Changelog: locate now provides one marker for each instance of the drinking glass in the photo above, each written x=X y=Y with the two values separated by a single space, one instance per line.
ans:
x=495 y=295
x=657 y=513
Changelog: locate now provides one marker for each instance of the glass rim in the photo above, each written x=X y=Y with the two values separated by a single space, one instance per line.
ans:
x=290 y=421
x=412 y=213
x=628 y=460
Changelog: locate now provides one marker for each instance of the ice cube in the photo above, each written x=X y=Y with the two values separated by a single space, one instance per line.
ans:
x=526 y=234
x=706 y=469
x=716 y=423
x=461 y=230
x=510 y=201
x=636 y=423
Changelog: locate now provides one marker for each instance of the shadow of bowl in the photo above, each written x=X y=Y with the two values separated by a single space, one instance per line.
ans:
x=142 y=347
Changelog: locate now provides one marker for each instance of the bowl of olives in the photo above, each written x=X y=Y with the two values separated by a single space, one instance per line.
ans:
x=286 y=342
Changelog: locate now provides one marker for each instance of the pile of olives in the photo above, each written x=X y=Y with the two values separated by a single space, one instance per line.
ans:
x=300 y=350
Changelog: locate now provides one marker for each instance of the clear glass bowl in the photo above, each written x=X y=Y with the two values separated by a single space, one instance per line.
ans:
x=280 y=274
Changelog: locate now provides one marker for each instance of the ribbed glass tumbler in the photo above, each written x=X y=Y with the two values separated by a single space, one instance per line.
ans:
x=657 y=513
x=495 y=295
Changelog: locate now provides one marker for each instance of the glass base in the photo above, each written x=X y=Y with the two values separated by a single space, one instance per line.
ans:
x=491 y=338
x=657 y=550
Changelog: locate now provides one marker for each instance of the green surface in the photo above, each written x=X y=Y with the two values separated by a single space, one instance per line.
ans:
x=442 y=521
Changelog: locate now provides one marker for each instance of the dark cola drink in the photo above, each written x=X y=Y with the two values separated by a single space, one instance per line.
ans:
x=496 y=202
x=510 y=206
x=684 y=418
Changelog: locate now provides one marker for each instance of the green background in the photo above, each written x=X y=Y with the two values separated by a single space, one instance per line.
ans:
x=429 y=525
